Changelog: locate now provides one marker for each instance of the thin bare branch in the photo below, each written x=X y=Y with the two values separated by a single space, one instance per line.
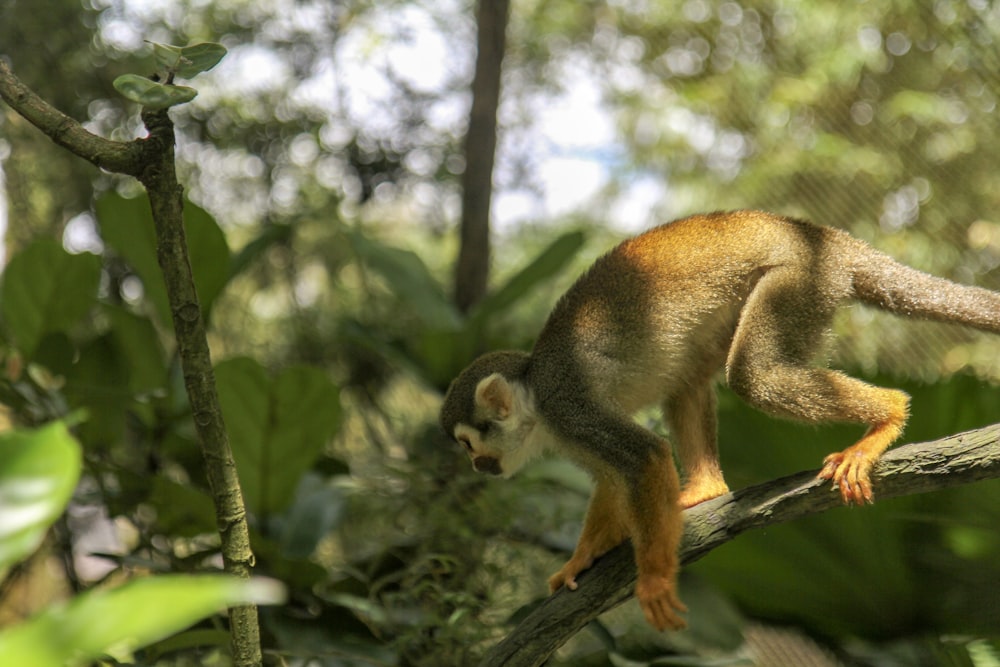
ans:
x=116 y=156
x=152 y=162
x=916 y=468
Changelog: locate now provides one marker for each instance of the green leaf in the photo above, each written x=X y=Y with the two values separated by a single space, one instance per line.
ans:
x=46 y=289
x=181 y=510
x=199 y=58
x=151 y=94
x=209 y=253
x=277 y=427
x=38 y=472
x=99 y=383
x=318 y=508
x=409 y=279
x=548 y=263
x=144 y=354
x=127 y=226
x=126 y=618
x=188 y=61
x=167 y=56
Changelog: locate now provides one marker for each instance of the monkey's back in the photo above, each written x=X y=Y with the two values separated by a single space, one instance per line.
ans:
x=659 y=310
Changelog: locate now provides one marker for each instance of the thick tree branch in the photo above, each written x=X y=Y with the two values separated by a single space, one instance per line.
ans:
x=916 y=468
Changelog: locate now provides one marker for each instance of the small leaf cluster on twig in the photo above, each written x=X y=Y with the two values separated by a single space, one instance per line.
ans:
x=183 y=61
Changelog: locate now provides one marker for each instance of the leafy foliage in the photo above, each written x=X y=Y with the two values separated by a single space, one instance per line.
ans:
x=68 y=346
x=444 y=339
x=278 y=427
x=185 y=62
x=46 y=290
x=38 y=472
x=127 y=618
x=127 y=226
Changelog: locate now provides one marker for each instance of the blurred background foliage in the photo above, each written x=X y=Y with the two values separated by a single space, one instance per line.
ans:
x=322 y=160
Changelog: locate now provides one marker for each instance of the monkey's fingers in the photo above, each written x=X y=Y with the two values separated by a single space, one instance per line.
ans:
x=830 y=465
x=660 y=604
x=558 y=580
x=567 y=575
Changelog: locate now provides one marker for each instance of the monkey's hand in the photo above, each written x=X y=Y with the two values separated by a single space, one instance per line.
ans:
x=567 y=575
x=850 y=471
x=660 y=604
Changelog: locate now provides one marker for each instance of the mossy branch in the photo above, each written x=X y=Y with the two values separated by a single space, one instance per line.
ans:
x=151 y=161
x=910 y=469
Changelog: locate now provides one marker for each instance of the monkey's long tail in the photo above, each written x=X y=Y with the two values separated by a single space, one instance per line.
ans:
x=883 y=282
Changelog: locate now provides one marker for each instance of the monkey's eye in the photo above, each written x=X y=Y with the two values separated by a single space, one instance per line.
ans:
x=465 y=443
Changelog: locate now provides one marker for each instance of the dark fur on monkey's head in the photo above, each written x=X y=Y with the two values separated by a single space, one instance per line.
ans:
x=459 y=402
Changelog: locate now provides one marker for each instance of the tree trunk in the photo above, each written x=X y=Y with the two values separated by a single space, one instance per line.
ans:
x=472 y=269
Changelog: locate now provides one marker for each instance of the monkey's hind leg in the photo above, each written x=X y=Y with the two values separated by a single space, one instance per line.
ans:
x=779 y=332
x=691 y=416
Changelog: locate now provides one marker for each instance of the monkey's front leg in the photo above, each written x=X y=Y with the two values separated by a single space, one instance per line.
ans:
x=655 y=524
x=603 y=529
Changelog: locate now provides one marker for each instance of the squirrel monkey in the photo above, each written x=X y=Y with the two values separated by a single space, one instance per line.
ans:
x=651 y=322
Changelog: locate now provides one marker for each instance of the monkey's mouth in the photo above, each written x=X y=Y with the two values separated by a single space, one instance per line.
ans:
x=487 y=464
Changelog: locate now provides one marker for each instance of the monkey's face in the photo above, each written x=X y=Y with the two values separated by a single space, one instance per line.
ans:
x=484 y=458
x=499 y=438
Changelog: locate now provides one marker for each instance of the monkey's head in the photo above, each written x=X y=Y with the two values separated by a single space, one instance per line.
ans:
x=488 y=410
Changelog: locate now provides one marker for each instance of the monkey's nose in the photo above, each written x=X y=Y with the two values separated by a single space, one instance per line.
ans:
x=487 y=464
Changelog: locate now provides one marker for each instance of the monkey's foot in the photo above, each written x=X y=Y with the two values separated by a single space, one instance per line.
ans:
x=850 y=471
x=660 y=604
x=698 y=492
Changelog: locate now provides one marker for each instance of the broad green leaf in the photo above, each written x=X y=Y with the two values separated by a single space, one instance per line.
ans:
x=144 y=354
x=123 y=619
x=209 y=252
x=46 y=289
x=38 y=472
x=317 y=509
x=409 y=279
x=548 y=263
x=151 y=94
x=277 y=426
x=181 y=509
x=167 y=56
x=99 y=383
x=127 y=226
x=188 y=61
x=199 y=58
x=443 y=353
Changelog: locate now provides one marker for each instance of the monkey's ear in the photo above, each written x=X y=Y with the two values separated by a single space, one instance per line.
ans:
x=495 y=395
